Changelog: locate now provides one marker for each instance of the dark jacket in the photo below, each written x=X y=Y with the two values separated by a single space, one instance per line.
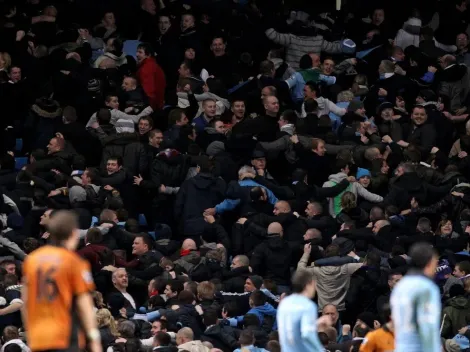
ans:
x=126 y=146
x=197 y=194
x=234 y=280
x=456 y=310
x=271 y=260
x=221 y=337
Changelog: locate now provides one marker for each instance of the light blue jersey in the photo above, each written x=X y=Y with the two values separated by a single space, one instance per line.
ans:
x=297 y=325
x=416 y=314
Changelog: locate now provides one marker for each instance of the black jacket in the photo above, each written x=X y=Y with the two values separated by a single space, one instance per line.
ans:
x=221 y=337
x=197 y=194
x=271 y=259
x=234 y=280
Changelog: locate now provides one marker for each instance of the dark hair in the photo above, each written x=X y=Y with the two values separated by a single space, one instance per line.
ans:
x=258 y=297
x=10 y=280
x=176 y=286
x=421 y=254
x=305 y=62
x=231 y=308
x=147 y=118
x=464 y=266
x=251 y=320
x=289 y=116
x=163 y=338
x=174 y=116
x=310 y=105
x=186 y=297
x=266 y=67
x=93 y=174
x=117 y=158
x=94 y=236
x=147 y=239
x=300 y=280
x=30 y=244
x=210 y=318
x=341 y=165
x=147 y=48
x=246 y=337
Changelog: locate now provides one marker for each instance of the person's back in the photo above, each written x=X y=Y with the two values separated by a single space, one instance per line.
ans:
x=296 y=317
x=54 y=276
x=416 y=304
x=56 y=292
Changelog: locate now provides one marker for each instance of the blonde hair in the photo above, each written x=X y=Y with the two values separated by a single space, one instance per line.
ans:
x=206 y=290
x=105 y=319
x=348 y=201
x=7 y=58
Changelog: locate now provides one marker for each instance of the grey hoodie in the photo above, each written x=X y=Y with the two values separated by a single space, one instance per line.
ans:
x=355 y=188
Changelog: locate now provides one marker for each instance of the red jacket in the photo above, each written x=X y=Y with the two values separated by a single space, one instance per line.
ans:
x=153 y=81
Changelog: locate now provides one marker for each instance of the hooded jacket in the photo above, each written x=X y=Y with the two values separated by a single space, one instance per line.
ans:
x=454 y=315
x=355 y=188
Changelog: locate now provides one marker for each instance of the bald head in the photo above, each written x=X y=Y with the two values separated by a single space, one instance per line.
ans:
x=275 y=228
x=312 y=234
x=184 y=335
x=281 y=207
x=189 y=244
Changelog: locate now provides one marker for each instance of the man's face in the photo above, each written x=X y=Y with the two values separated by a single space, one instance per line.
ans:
x=10 y=268
x=149 y=6
x=53 y=146
x=259 y=163
x=249 y=286
x=238 y=109
x=309 y=93
x=168 y=292
x=189 y=54
x=45 y=218
x=156 y=327
x=378 y=17
x=399 y=55
x=183 y=71
x=282 y=122
x=120 y=279
x=394 y=280
x=139 y=247
x=308 y=235
x=458 y=273
x=15 y=74
x=332 y=312
x=419 y=116
x=109 y=45
x=235 y=263
x=328 y=67
x=156 y=140
x=113 y=103
x=387 y=114
x=183 y=120
x=141 y=56
x=321 y=150
x=187 y=21
x=365 y=181
x=128 y=84
x=462 y=41
x=209 y=108
x=85 y=178
x=218 y=47
x=310 y=211
x=144 y=126
x=164 y=24
x=315 y=60
x=219 y=127
x=112 y=166
x=272 y=105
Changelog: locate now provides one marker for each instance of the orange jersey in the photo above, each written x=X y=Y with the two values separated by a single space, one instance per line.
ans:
x=380 y=340
x=54 y=277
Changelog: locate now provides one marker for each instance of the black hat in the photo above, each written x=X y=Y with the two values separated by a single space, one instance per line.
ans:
x=383 y=106
x=258 y=154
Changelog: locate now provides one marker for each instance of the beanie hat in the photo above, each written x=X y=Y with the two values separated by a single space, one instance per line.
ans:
x=383 y=106
x=348 y=46
x=354 y=105
x=368 y=318
x=257 y=281
x=362 y=173
x=163 y=231
x=443 y=269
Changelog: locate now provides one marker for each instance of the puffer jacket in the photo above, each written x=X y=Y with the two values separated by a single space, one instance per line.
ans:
x=128 y=147
x=355 y=188
x=409 y=34
x=221 y=337
x=454 y=316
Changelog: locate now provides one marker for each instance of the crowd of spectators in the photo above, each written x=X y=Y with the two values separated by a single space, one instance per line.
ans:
x=210 y=148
